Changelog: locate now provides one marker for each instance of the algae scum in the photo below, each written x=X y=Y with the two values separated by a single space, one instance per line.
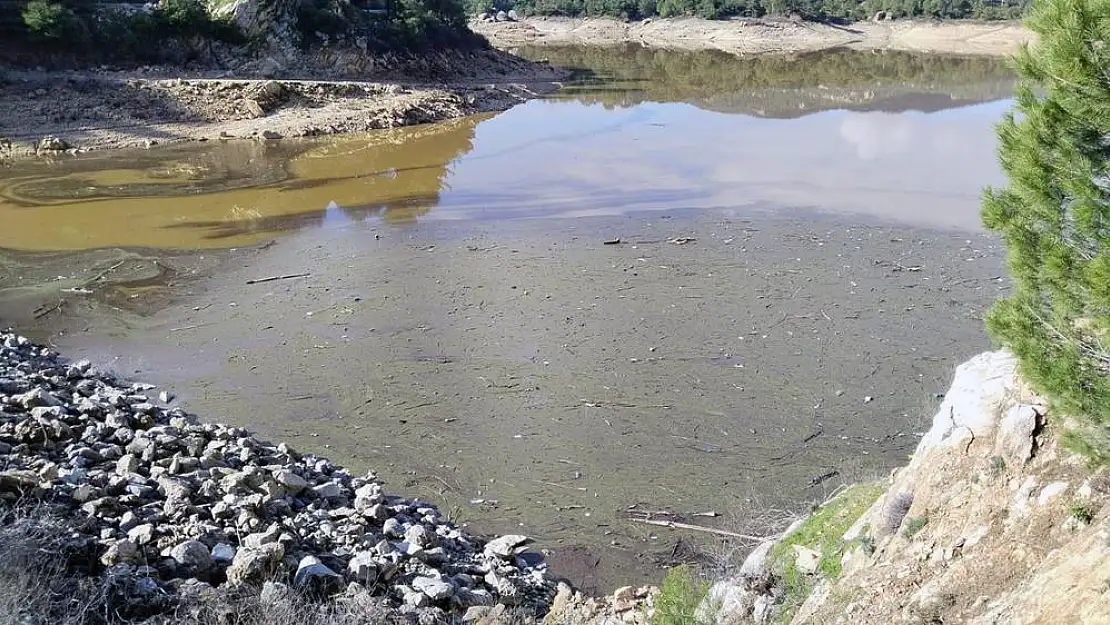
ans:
x=799 y=267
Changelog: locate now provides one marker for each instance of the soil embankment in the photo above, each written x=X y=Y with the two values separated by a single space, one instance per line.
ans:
x=762 y=36
x=96 y=110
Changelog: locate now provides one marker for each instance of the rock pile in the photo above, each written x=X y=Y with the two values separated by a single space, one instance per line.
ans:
x=177 y=504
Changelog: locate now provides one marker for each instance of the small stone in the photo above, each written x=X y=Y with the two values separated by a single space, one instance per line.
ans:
x=506 y=546
x=1050 y=492
x=417 y=600
x=328 y=490
x=141 y=534
x=254 y=564
x=223 y=553
x=122 y=552
x=313 y=577
x=478 y=612
x=806 y=560
x=1014 y=441
x=393 y=528
x=363 y=568
x=192 y=554
x=292 y=482
x=624 y=594
x=128 y=464
x=253 y=108
x=270 y=135
x=165 y=397
x=274 y=593
x=436 y=589
x=83 y=493
x=420 y=536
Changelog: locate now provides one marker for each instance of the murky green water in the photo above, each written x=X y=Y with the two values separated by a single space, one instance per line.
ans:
x=464 y=329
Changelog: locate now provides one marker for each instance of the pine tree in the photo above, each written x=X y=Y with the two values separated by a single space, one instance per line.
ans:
x=1054 y=215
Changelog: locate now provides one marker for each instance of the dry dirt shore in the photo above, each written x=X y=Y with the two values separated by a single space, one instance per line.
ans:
x=97 y=110
x=763 y=36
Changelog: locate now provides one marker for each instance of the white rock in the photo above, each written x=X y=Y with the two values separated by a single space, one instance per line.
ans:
x=755 y=565
x=363 y=568
x=1014 y=441
x=506 y=546
x=979 y=389
x=1050 y=492
x=436 y=589
x=254 y=564
x=290 y=480
x=141 y=534
x=806 y=560
x=328 y=490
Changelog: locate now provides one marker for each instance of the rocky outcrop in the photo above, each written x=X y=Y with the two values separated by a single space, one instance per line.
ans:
x=992 y=521
x=169 y=503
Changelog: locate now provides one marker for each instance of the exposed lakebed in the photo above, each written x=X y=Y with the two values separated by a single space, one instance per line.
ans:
x=799 y=268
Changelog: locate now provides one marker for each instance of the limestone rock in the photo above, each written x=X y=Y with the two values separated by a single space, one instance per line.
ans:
x=506 y=546
x=806 y=560
x=1014 y=441
x=254 y=564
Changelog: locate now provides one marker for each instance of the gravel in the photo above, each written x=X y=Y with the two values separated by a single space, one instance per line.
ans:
x=174 y=503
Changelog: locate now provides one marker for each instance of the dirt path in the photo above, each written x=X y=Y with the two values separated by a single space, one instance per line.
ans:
x=763 y=36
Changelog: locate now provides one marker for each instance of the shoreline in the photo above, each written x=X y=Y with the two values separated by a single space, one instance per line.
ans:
x=46 y=113
x=762 y=36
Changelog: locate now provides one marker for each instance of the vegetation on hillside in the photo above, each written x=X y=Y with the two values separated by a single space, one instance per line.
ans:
x=184 y=30
x=1054 y=214
x=832 y=10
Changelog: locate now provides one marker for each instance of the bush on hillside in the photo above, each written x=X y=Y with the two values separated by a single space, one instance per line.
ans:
x=51 y=21
x=1054 y=214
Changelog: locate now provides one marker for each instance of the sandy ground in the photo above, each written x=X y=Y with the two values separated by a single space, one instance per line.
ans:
x=90 y=111
x=763 y=36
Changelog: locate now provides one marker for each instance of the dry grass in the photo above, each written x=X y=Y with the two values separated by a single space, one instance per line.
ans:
x=722 y=558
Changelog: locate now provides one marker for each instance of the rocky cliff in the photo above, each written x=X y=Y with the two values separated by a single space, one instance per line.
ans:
x=992 y=521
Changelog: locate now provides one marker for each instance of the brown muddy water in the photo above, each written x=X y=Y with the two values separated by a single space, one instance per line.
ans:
x=799 y=269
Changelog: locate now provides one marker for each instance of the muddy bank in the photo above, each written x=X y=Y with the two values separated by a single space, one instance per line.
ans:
x=98 y=110
x=742 y=36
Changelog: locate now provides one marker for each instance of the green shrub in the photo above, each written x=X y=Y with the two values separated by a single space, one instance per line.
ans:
x=824 y=532
x=679 y=597
x=1054 y=215
x=1082 y=511
x=914 y=525
x=50 y=20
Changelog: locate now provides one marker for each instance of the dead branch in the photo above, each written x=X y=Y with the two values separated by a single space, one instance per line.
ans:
x=273 y=278
x=700 y=528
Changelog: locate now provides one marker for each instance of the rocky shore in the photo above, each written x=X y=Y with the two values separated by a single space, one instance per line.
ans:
x=145 y=498
x=50 y=113
x=761 y=36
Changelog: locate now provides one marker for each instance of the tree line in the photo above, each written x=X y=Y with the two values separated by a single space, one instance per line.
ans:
x=179 y=31
x=816 y=10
